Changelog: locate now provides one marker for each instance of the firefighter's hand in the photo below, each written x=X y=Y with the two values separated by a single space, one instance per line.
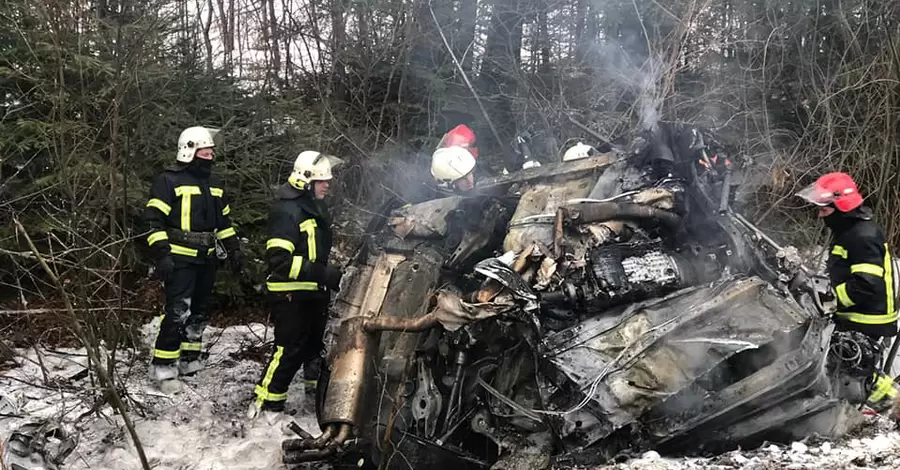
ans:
x=332 y=278
x=236 y=261
x=164 y=267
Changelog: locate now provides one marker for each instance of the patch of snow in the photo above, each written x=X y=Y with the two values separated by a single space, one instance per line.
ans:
x=200 y=425
x=878 y=452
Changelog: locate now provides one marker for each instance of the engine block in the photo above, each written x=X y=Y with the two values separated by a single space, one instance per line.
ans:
x=653 y=267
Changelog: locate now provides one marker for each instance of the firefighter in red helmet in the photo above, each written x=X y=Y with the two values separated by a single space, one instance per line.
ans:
x=859 y=265
x=453 y=162
x=460 y=136
x=861 y=273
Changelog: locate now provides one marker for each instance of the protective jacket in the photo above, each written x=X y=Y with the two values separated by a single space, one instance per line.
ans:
x=860 y=270
x=299 y=242
x=186 y=213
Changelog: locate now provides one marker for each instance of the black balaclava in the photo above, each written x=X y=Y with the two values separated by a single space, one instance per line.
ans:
x=200 y=168
x=839 y=221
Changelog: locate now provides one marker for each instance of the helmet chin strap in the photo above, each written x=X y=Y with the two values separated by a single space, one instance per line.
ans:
x=298 y=184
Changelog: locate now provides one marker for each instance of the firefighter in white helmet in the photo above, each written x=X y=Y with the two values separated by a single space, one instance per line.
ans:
x=578 y=152
x=300 y=280
x=454 y=167
x=187 y=216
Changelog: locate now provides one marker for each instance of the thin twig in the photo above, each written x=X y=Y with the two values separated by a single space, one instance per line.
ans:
x=40 y=361
x=34 y=311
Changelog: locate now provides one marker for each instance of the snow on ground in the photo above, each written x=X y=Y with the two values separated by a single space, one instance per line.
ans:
x=202 y=425
x=880 y=451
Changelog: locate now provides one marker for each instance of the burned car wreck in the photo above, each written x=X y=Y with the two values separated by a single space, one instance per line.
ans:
x=568 y=313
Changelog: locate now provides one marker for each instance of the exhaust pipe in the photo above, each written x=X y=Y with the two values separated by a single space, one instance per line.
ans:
x=343 y=410
x=603 y=211
x=352 y=363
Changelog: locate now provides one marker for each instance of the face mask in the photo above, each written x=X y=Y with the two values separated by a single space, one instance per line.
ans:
x=836 y=221
x=201 y=168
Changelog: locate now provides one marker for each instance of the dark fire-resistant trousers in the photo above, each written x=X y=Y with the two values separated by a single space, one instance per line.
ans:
x=188 y=289
x=300 y=320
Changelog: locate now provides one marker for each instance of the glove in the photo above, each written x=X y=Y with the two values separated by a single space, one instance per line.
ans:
x=236 y=261
x=327 y=275
x=333 y=278
x=164 y=267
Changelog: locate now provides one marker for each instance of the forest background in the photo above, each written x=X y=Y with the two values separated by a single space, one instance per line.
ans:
x=95 y=93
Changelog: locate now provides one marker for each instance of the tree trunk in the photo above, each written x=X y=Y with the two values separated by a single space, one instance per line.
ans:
x=580 y=17
x=287 y=12
x=274 y=43
x=465 y=37
x=207 y=26
x=501 y=66
x=543 y=38
x=226 y=27
x=362 y=27
x=338 y=40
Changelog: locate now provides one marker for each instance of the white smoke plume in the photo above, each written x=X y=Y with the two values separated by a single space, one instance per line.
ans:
x=643 y=77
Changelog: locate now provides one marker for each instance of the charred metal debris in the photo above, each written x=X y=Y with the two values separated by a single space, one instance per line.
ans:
x=570 y=312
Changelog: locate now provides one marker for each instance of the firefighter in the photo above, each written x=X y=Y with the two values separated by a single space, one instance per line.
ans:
x=579 y=151
x=454 y=167
x=300 y=279
x=460 y=136
x=188 y=219
x=861 y=273
x=453 y=162
x=859 y=265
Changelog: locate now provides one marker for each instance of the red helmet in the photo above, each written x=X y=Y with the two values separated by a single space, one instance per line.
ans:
x=460 y=136
x=833 y=188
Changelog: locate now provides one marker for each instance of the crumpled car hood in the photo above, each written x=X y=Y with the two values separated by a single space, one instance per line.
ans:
x=628 y=363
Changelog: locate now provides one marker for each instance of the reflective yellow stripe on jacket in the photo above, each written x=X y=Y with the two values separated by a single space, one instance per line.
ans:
x=189 y=346
x=159 y=204
x=838 y=250
x=157 y=237
x=186 y=193
x=309 y=226
x=227 y=233
x=884 y=388
x=868 y=268
x=296 y=265
x=291 y=286
x=867 y=318
x=884 y=272
x=185 y=251
x=841 y=293
x=889 y=279
x=280 y=243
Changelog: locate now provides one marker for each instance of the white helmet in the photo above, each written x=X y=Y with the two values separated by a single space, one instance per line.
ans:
x=449 y=164
x=579 y=151
x=312 y=166
x=193 y=139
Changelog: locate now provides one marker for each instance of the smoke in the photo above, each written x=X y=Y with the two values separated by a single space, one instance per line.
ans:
x=640 y=76
x=650 y=99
